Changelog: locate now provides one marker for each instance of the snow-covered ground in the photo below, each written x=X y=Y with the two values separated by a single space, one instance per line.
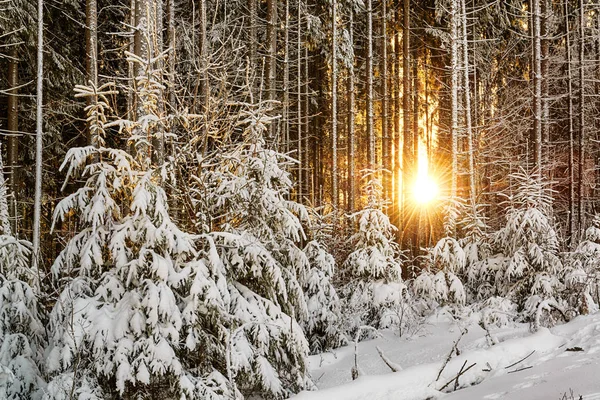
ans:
x=543 y=367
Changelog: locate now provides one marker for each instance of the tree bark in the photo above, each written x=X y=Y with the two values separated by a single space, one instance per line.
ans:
x=37 y=202
x=467 y=98
x=370 y=131
x=582 y=132
x=13 y=128
x=334 y=135
x=351 y=116
x=537 y=90
x=571 y=216
x=386 y=148
x=91 y=61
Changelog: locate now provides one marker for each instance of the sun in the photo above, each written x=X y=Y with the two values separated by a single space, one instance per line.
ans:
x=425 y=189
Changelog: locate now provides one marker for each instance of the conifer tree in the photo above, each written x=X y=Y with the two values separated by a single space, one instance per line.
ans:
x=21 y=329
x=375 y=289
x=139 y=298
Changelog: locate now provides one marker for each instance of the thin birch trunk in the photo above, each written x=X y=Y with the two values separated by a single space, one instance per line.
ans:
x=299 y=103
x=286 y=79
x=581 y=114
x=91 y=60
x=37 y=202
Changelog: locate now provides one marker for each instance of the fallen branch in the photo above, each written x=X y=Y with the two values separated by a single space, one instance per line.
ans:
x=520 y=369
x=454 y=349
x=461 y=372
x=393 y=366
x=522 y=359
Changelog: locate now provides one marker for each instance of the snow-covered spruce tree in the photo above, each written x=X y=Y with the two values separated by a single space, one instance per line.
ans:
x=323 y=327
x=141 y=309
x=374 y=294
x=439 y=282
x=241 y=201
x=582 y=271
x=21 y=331
x=528 y=268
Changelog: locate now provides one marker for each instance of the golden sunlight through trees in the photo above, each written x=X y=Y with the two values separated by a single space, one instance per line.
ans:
x=425 y=189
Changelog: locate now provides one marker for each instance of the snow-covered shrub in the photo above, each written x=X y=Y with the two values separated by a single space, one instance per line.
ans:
x=323 y=325
x=21 y=330
x=375 y=290
x=528 y=268
x=496 y=311
x=439 y=282
x=582 y=271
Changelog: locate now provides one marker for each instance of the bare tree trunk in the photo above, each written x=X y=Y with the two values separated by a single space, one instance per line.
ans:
x=370 y=132
x=204 y=57
x=270 y=66
x=580 y=209
x=398 y=158
x=454 y=112
x=133 y=46
x=467 y=91
x=286 y=79
x=407 y=145
x=334 y=135
x=252 y=32
x=307 y=126
x=351 y=116
x=13 y=128
x=91 y=61
x=301 y=182
x=545 y=123
x=172 y=46
x=37 y=202
x=571 y=218
x=386 y=148
x=537 y=90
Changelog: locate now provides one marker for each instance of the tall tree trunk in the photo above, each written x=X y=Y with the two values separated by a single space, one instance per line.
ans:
x=334 y=135
x=386 y=148
x=13 y=128
x=537 y=89
x=451 y=223
x=204 y=64
x=91 y=61
x=252 y=33
x=172 y=46
x=398 y=172
x=544 y=65
x=270 y=66
x=351 y=116
x=407 y=143
x=301 y=182
x=370 y=132
x=571 y=216
x=582 y=133
x=133 y=46
x=286 y=79
x=37 y=202
x=467 y=97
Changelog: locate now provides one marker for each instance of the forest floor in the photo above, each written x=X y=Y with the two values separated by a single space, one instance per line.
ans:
x=560 y=363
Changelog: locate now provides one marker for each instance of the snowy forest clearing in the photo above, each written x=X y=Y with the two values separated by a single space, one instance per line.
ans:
x=547 y=364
